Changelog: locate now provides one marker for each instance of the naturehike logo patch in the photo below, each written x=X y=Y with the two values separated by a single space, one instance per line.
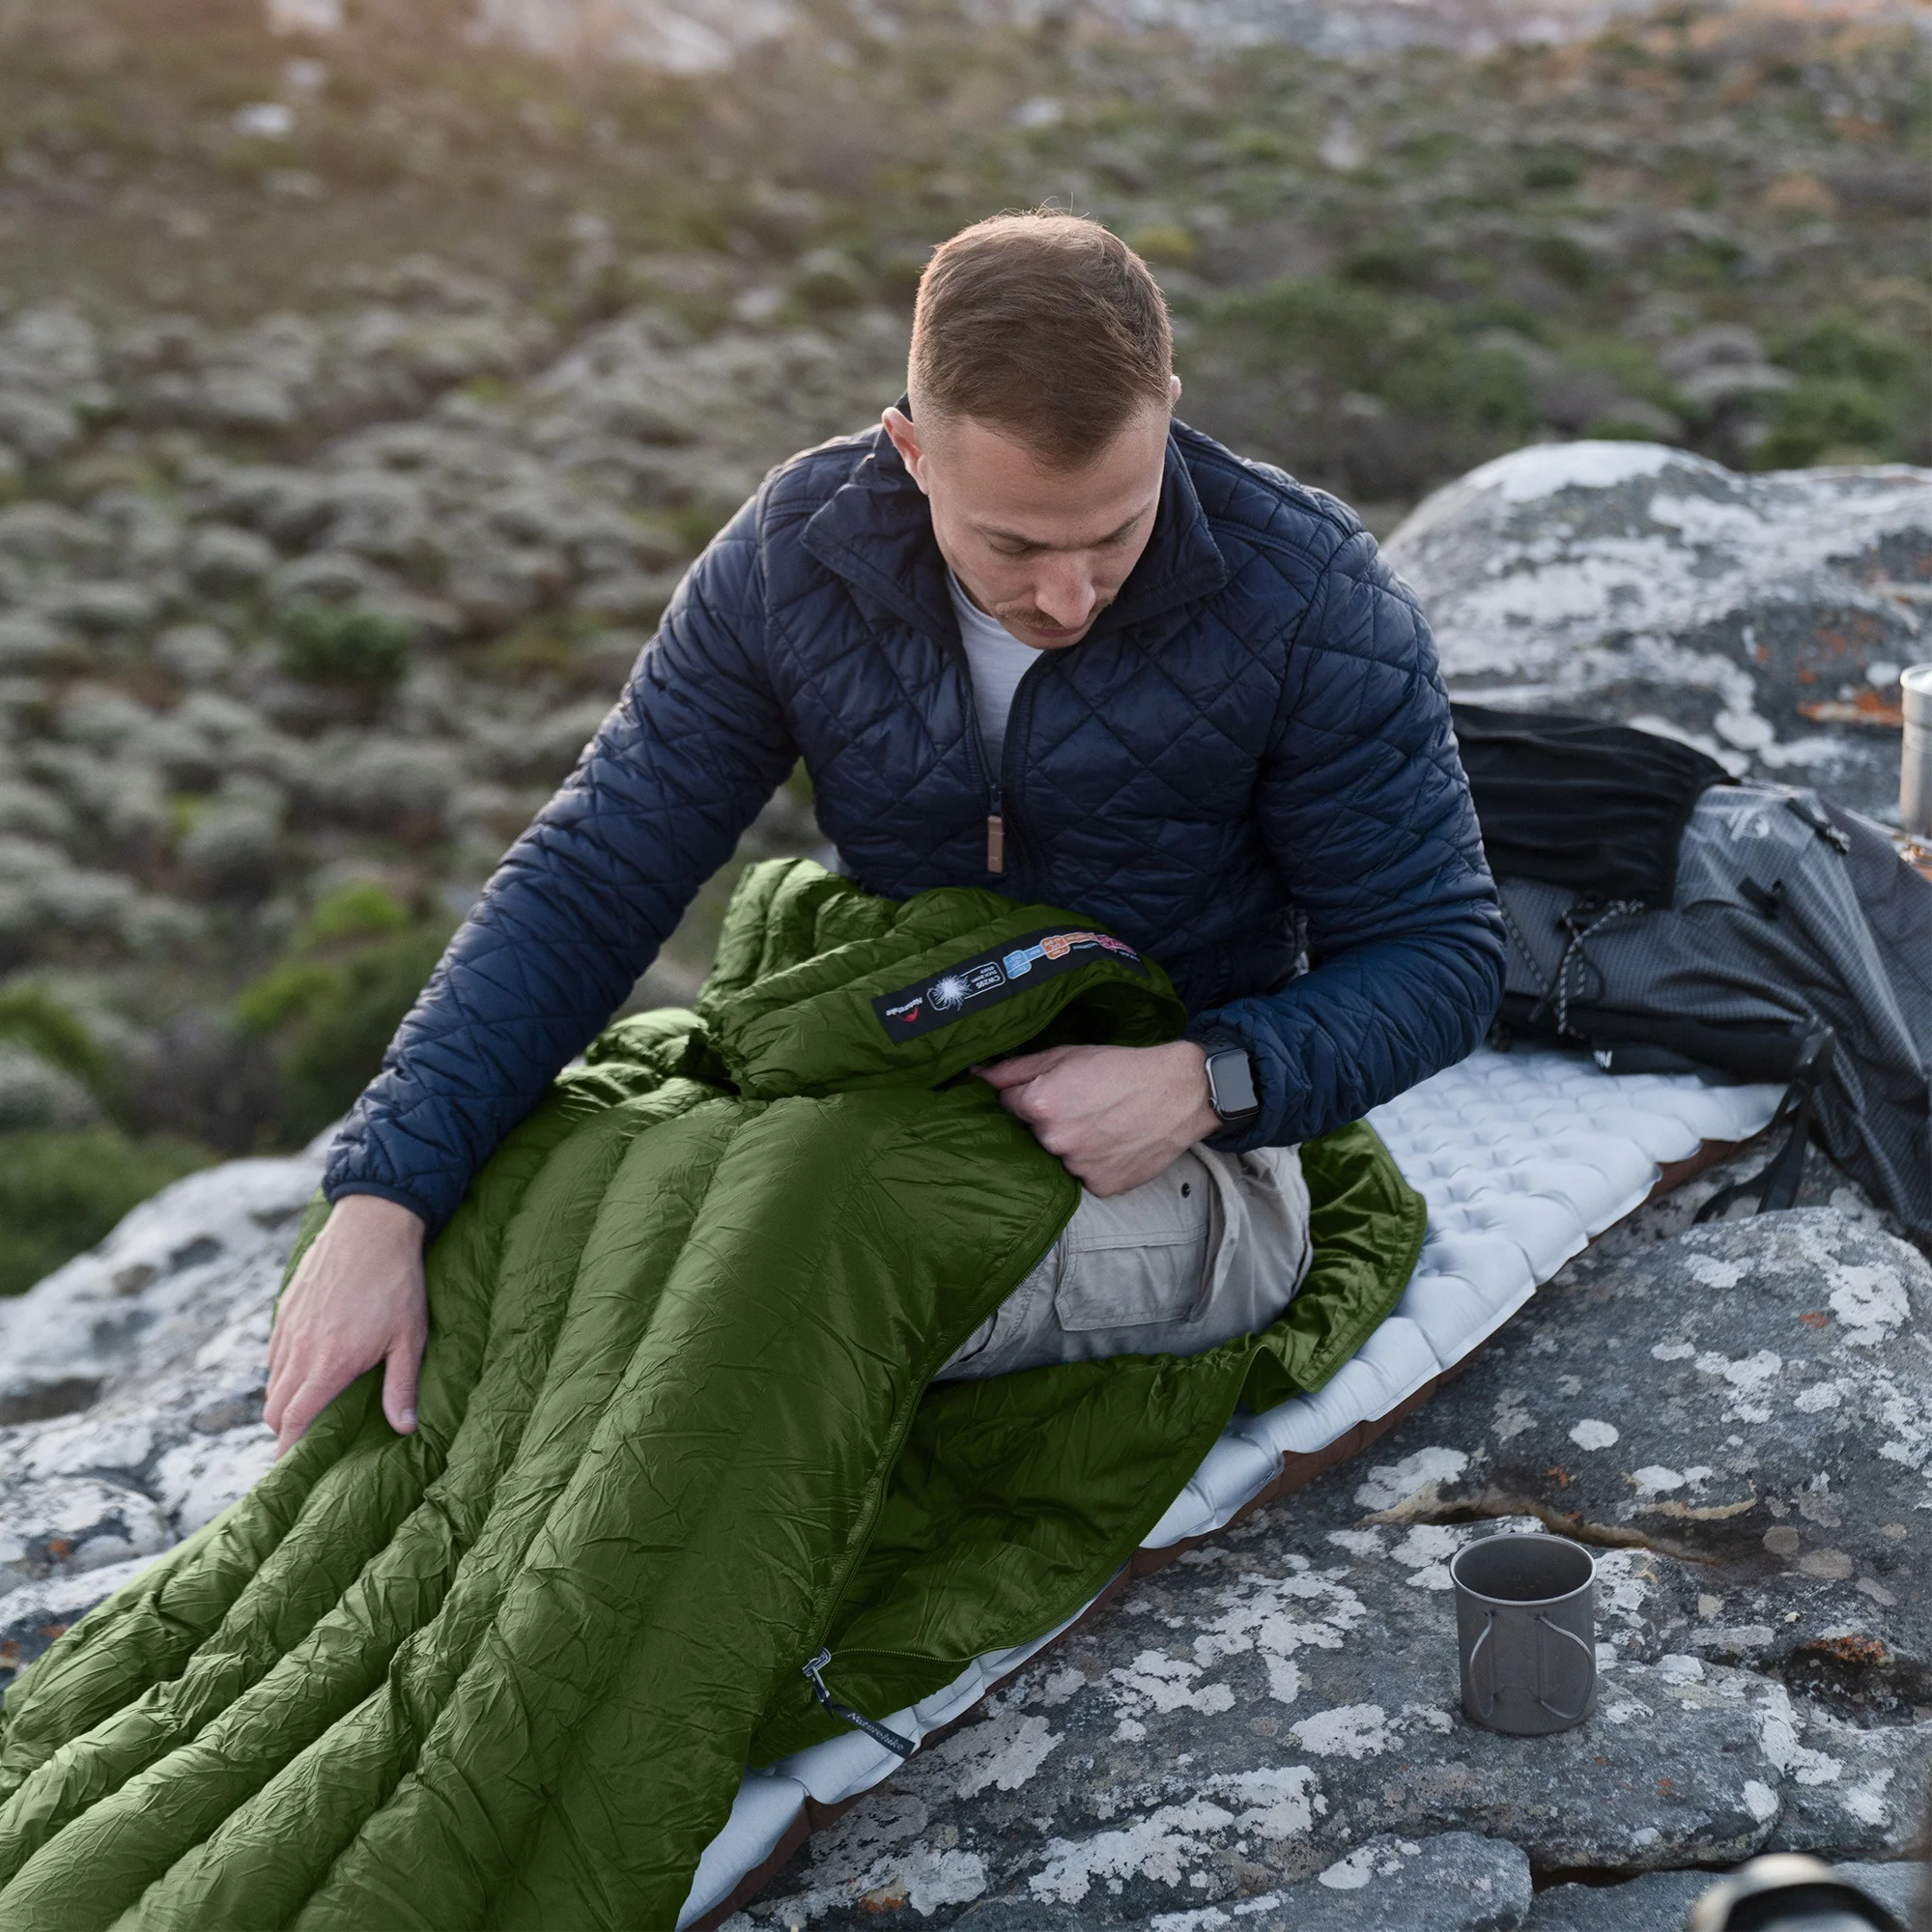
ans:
x=992 y=976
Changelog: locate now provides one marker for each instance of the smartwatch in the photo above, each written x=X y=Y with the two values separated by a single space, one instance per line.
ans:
x=1231 y=1086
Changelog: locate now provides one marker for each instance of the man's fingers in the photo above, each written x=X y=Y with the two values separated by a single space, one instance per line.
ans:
x=1024 y=1103
x=1020 y=1068
x=400 y=1371
x=303 y=1406
x=1004 y=1073
x=278 y=1331
x=304 y=1390
x=283 y=1382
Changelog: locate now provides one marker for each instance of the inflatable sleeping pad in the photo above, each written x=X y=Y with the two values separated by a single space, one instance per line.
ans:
x=675 y=1442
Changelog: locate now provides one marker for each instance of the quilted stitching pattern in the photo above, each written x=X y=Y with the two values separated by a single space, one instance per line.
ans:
x=1256 y=729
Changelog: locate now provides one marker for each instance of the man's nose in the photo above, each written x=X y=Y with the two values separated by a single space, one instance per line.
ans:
x=1065 y=590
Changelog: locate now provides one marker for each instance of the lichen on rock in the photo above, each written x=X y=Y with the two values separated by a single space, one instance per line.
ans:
x=1764 y=617
x=1283 y=1699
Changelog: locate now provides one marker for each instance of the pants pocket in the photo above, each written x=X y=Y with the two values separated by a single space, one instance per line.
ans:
x=1134 y=1283
x=1141 y=1259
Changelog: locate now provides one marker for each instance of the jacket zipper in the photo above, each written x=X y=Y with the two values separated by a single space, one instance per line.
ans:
x=1007 y=784
x=998 y=817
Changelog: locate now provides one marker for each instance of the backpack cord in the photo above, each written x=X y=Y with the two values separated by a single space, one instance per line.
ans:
x=1574 y=954
x=1514 y=931
x=1775 y=1187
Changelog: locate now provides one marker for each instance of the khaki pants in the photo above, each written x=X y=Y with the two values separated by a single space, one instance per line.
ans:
x=1214 y=1248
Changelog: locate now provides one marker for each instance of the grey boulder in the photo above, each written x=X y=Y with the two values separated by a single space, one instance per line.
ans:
x=130 y=1391
x=1454 y=1882
x=1735 y=1419
x=1765 y=617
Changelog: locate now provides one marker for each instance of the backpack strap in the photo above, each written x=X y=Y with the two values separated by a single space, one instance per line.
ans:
x=1777 y=1185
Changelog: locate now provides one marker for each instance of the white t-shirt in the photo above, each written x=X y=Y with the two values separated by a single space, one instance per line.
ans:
x=998 y=661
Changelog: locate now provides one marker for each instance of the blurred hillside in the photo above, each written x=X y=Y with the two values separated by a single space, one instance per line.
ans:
x=364 y=391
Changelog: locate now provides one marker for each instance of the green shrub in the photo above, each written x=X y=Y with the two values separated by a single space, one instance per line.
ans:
x=1167 y=244
x=1839 y=345
x=32 y=1017
x=326 y=643
x=361 y=909
x=1564 y=260
x=330 y=1007
x=1310 y=342
x=1552 y=168
x=1260 y=144
x=1822 y=418
x=1393 y=263
x=60 y=1192
x=828 y=280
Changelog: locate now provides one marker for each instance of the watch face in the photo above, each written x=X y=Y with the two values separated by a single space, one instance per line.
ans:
x=1231 y=1084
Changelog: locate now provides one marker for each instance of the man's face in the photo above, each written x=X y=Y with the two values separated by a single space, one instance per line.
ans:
x=1044 y=550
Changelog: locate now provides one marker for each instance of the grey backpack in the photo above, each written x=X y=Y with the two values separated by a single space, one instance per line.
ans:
x=1774 y=936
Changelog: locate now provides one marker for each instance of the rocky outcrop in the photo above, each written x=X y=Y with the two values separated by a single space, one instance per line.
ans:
x=1737 y=1418
x=130 y=1391
x=702 y=36
x=1764 y=617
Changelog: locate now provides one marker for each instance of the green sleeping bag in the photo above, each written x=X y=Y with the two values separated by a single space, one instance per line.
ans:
x=675 y=1436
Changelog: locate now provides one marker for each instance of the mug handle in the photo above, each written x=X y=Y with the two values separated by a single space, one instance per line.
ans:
x=1589 y=1682
x=1475 y=1651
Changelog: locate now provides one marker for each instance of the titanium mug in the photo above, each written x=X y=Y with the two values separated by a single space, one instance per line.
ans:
x=1914 y=769
x=1527 y=1633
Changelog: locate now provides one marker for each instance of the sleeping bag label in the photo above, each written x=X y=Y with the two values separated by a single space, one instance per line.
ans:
x=991 y=977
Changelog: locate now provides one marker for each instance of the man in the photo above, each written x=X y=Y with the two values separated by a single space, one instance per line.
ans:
x=1034 y=636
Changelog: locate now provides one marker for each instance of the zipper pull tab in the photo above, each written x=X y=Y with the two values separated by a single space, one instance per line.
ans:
x=813 y=1674
x=996 y=838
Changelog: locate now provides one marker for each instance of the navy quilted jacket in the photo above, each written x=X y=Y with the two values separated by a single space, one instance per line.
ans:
x=1254 y=730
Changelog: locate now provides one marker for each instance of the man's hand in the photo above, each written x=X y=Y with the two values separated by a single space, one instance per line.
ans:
x=357 y=1299
x=1116 y=1116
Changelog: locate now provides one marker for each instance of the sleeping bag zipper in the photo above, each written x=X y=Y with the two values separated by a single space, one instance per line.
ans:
x=815 y=1675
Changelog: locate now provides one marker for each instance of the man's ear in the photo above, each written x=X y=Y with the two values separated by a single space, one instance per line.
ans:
x=905 y=439
x=1173 y=390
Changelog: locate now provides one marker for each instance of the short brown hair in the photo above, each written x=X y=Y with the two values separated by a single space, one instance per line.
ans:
x=1043 y=326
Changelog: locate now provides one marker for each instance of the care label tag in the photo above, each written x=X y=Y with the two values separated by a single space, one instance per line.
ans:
x=988 y=977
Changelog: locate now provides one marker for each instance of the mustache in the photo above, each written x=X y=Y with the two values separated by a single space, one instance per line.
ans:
x=1031 y=618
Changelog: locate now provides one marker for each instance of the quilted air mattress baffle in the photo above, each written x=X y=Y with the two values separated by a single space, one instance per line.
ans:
x=675 y=1437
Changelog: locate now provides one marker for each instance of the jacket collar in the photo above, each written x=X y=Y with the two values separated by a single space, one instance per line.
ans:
x=875 y=533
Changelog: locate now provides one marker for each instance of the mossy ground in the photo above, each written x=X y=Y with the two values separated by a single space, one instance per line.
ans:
x=1382 y=272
